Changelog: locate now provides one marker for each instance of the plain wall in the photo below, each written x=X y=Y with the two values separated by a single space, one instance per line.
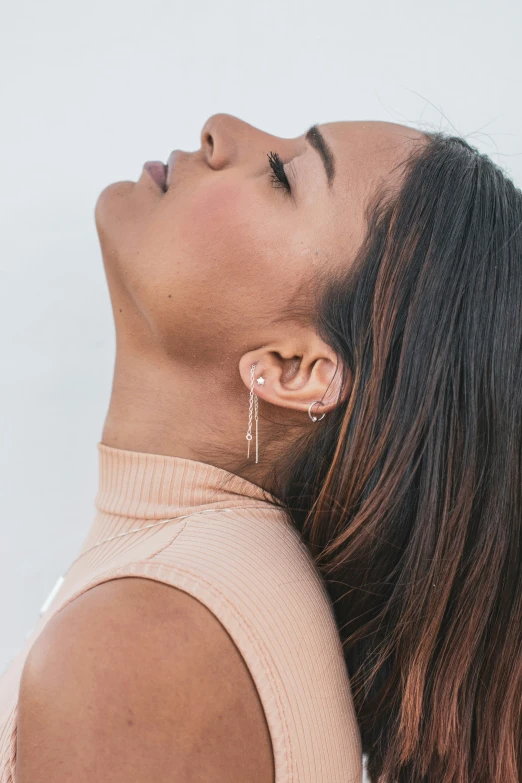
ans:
x=89 y=92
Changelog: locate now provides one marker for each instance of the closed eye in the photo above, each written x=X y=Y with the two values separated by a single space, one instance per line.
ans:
x=278 y=175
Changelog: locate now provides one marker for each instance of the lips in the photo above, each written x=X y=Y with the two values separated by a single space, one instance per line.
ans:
x=158 y=172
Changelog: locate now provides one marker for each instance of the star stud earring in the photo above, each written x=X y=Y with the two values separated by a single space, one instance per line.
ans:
x=261 y=380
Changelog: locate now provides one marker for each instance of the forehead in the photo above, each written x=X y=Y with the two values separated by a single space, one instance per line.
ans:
x=367 y=150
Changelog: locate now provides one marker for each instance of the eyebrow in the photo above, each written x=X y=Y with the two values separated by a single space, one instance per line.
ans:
x=315 y=138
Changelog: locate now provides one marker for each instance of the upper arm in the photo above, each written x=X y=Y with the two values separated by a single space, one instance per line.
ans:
x=137 y=681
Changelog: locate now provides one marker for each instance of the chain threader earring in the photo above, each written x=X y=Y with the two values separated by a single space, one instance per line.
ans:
x=253 y=407
x=253 y=410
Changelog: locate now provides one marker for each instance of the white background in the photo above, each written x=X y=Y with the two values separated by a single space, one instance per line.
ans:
x=89 y=92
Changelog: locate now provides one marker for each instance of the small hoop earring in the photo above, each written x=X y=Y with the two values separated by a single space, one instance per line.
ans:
x=314 y=418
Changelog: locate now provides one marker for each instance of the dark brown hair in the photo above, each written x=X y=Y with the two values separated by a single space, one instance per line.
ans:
x=409 y=494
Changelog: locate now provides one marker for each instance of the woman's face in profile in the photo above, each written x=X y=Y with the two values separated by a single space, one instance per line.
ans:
x=210 y=264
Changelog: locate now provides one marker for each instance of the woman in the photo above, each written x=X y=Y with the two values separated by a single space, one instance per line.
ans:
x=307 y=541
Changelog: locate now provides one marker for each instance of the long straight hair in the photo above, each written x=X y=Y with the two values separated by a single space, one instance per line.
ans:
x=408 y=494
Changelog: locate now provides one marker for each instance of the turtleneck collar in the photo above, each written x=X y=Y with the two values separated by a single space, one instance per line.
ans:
x=139 y=485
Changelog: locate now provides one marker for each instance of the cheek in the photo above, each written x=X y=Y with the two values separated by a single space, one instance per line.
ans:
x=216 y=204
x=218 y=218
x=203 y=260
x=241 y=250
x=221 y=231
x=220 y=255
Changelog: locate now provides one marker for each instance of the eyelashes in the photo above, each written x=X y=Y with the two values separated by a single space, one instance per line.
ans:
x=277 y=175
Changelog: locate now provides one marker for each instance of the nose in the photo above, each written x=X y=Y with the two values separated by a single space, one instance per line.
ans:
x=219 y=139
x=227 y=140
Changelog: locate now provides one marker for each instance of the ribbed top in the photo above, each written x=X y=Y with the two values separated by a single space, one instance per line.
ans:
x=136 y=485
x=223 y=540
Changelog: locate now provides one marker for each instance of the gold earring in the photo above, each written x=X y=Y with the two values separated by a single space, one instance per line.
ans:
x=253 y=407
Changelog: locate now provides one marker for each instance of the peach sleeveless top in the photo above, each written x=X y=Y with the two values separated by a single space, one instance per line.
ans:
x=239 y=556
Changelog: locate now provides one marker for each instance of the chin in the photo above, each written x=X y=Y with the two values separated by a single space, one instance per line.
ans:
x=110 y=205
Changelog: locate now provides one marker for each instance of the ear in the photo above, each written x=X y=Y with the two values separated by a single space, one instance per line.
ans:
x=297 y=371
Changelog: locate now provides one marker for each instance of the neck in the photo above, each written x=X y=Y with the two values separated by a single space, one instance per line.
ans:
x=198 y=414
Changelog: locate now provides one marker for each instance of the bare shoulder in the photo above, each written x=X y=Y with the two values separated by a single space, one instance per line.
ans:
x=137 y=680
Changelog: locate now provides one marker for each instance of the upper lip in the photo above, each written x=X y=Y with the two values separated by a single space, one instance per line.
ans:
x=170 y=166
